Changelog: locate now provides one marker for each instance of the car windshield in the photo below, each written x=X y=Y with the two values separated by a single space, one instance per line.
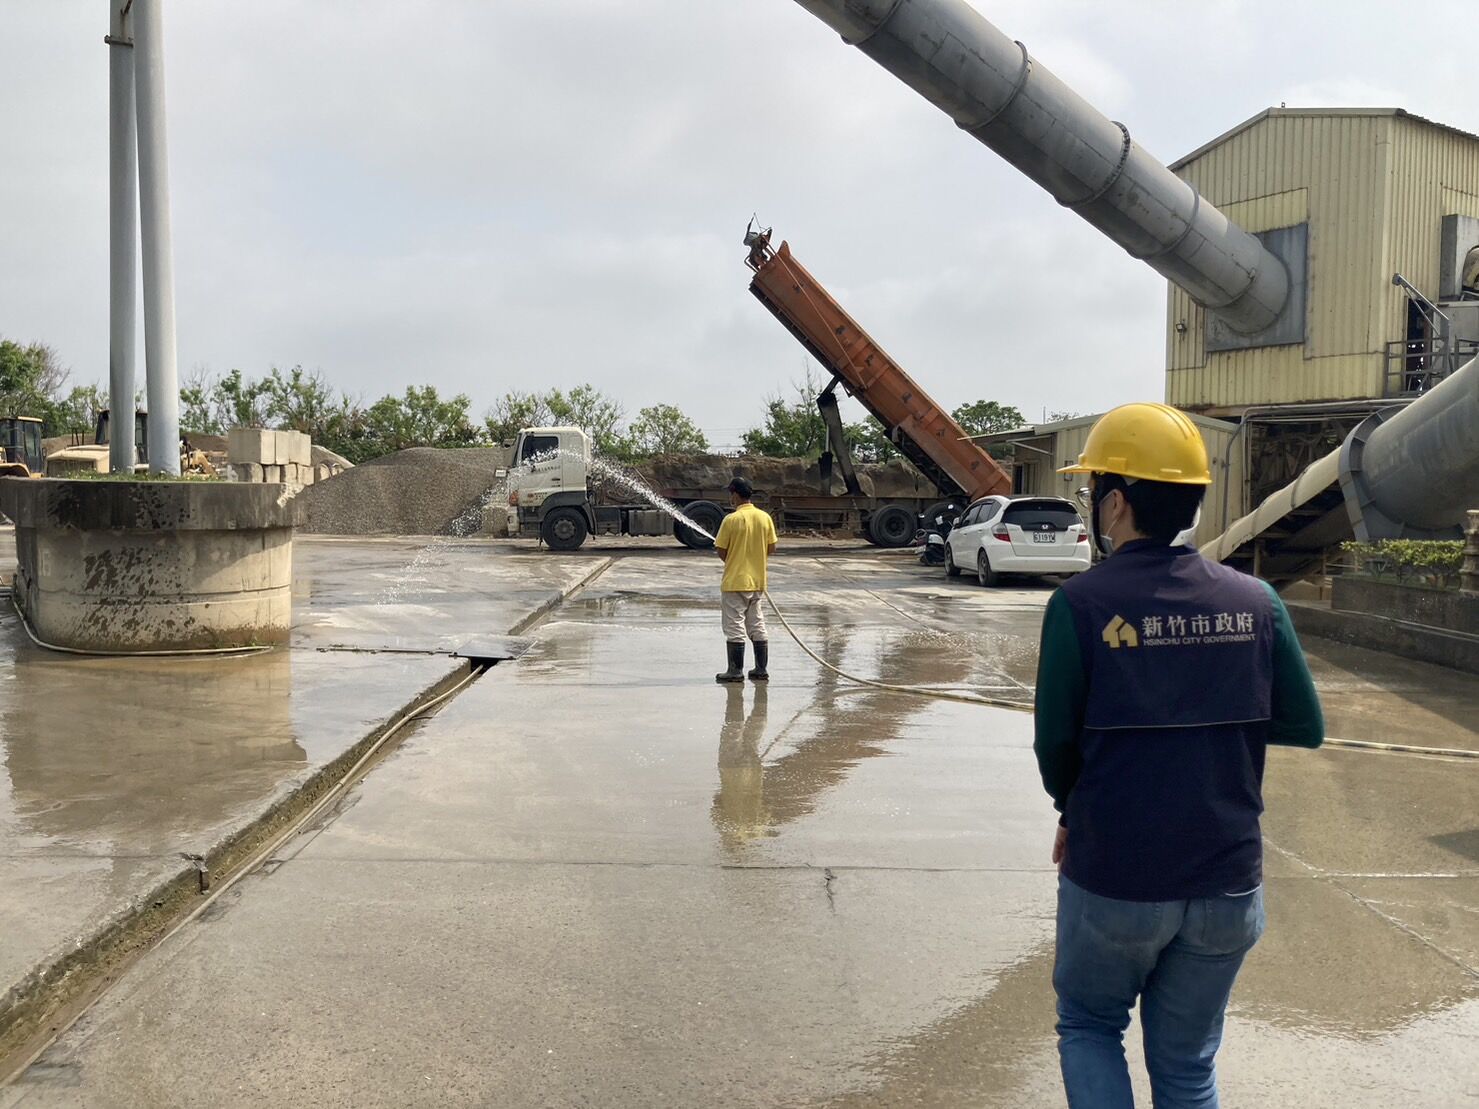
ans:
x=1026 y=514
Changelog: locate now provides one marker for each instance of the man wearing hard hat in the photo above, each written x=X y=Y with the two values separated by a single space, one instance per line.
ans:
x=1161 y=679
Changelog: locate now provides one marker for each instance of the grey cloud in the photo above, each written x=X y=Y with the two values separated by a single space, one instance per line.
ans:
x=496 y=195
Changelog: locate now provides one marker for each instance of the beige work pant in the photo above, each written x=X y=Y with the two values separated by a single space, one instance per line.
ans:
x=743 y=616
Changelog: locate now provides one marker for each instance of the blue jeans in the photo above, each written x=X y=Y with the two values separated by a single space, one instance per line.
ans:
x=1179 y=958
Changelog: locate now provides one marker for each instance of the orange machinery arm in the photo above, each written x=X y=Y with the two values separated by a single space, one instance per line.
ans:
x=926 y=434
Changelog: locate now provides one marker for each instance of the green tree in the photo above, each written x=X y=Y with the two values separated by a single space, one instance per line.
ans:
x=198 y=414
x=420 y=418
x=587 y=407
x=513 y=412
x=795 y=429
x=298 y=401
x=662 y=429
x=31 y=382
x=1059 y=417
x=77 y=413
x=240 y=401
x=985 y=417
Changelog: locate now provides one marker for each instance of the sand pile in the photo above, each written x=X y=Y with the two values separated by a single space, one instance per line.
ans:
x=421 y=491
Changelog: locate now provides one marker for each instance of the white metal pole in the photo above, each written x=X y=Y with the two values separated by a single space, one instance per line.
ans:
x=160 y=367
x=123 y=236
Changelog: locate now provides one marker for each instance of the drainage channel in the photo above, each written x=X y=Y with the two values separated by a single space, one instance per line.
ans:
x=76 y=989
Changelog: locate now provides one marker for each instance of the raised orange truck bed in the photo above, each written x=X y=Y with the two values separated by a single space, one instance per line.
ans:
x=923 y=431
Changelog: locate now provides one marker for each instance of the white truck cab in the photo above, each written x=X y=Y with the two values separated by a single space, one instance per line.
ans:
x=547 y=462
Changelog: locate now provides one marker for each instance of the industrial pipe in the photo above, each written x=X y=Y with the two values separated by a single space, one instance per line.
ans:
x=1415 y=471
x=123 y=226
x=161 y=371
x=947 y=52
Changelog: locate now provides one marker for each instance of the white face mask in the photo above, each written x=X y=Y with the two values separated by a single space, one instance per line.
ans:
x=1106 y=544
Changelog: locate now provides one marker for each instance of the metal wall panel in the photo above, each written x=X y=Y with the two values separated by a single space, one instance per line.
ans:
x=1374 y=185
x=1066 y=442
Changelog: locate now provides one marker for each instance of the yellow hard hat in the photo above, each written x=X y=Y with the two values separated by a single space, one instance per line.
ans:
x=1154 y=442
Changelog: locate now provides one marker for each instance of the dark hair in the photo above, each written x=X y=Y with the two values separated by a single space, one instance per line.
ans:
x=742 y=487
x=1160 y=509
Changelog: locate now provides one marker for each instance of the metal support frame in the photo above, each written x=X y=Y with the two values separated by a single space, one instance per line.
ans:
x=837 y=440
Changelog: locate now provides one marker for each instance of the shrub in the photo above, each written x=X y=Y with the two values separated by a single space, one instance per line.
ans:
x=1434 y=562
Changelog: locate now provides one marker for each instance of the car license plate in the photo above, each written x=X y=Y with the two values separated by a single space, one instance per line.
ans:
x=1044 y=537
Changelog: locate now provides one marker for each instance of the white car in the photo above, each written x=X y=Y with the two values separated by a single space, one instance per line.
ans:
x=1018 y=535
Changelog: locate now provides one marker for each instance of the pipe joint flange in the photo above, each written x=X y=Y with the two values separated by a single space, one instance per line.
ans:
x=1021 y=83
x=1175 y=244
x=1367 y=521
x=1114 y=174
x=884 y=20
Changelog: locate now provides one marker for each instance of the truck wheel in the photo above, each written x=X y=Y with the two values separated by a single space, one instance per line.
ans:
x=892 y=526
x=564 y=529
x=946 y=509
x=707 y=515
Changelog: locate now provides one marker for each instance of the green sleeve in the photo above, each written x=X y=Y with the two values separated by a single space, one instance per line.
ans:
x=1062 y=690
x=1296 y=717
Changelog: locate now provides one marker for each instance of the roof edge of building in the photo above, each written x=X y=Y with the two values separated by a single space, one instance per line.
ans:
x=1270 y=113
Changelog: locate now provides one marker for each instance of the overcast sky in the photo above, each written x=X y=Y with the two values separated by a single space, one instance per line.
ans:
x=516 y=194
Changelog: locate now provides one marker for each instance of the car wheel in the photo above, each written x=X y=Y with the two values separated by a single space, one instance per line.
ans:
x=984 y=573
x=951 y=569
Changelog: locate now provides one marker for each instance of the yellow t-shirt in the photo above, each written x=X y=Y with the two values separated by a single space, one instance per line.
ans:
x=746 y=534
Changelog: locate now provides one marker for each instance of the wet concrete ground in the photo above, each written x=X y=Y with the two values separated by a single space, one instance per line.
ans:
x=112 y=770
x=596 y=878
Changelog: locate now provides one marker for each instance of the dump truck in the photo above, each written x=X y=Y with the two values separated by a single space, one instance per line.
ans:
x=553 y=496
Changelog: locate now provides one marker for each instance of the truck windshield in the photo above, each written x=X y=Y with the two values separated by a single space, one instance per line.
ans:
x=1028 y=514
x=538 y=445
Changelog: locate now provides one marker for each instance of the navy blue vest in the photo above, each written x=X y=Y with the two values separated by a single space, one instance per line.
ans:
x=1178 y=653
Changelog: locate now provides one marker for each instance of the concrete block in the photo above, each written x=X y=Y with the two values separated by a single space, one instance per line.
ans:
x=246 y=471
x=306 y=475
x=294 y=447
x=272 y=474
x=251 y=444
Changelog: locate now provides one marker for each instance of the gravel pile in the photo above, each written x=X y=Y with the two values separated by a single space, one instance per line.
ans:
x=421 y=491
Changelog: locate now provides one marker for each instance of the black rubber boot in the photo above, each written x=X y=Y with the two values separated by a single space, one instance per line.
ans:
x=762 y=661
x=736 y=671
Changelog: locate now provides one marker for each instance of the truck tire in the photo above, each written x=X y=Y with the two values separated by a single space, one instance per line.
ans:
x=892 y=526
x=947 y=509
x=707 y=515
x=564 y=529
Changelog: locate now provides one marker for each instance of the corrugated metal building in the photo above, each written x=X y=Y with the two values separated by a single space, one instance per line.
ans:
x=1373 y=185
x=1037 y=451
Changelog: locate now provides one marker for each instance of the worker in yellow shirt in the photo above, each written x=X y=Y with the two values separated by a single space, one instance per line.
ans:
x=746 y=540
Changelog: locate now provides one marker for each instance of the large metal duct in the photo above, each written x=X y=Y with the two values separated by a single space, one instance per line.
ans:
x=948 y=53
x=1415 y=471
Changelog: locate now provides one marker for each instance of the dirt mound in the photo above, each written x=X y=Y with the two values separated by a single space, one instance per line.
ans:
x=799 y=477
x=421 y=491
